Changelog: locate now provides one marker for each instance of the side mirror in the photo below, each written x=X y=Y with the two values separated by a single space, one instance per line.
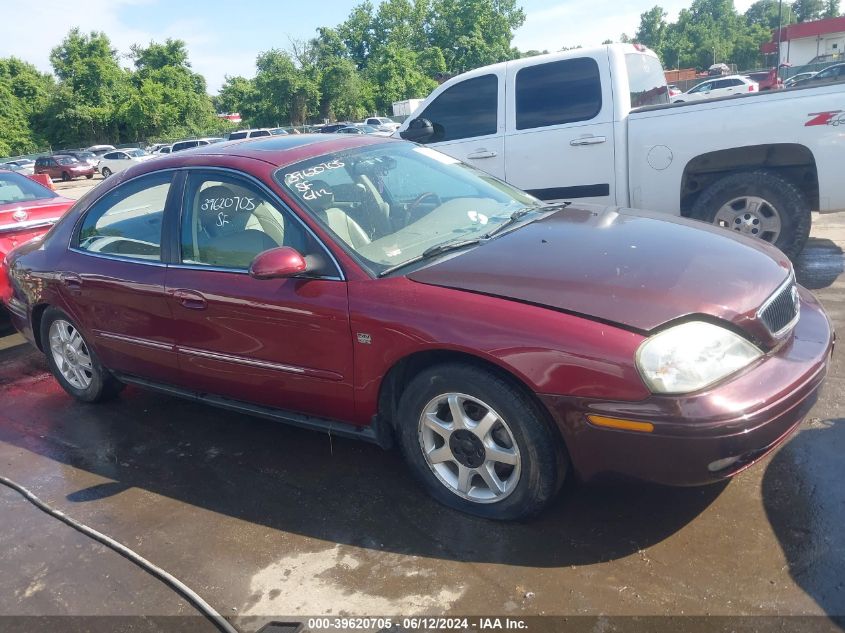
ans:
x=418 y=131
x=277 y=263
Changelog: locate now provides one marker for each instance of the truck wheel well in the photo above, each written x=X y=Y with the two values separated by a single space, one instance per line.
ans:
x=790 y=161
x=403 y=371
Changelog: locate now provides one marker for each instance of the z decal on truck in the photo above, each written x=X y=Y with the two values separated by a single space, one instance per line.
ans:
x=832 y=117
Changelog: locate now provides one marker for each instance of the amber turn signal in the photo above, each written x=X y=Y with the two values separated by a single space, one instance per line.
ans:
x=617 y=423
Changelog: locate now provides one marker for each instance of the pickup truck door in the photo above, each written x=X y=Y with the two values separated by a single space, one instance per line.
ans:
x=469 y=121
x=559 y=129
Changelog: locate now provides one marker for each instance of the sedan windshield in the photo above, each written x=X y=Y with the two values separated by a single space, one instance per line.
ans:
x=398 y=202
x=135 y=153
x=17 y=188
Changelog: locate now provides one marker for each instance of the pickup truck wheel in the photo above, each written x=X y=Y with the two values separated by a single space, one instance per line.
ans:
x=478 y=444
x=73 y=362
x=758 y=204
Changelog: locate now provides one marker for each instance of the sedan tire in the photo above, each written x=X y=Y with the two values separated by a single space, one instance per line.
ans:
x=72 y=361
x=479 y=444
x=106 y=172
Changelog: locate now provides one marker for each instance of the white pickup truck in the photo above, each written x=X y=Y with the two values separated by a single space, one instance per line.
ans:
x=595 y=124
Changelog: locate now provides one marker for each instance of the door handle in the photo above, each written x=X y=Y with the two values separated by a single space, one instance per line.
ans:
x=190 y=299
x=587 y=140
x=72 y=282
x=482 y=153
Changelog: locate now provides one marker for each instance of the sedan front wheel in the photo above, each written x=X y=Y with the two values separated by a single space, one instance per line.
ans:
x=478 y=443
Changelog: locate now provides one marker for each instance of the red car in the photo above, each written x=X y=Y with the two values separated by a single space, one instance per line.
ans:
x=63 y=166
x=381 y=290
x=27 y=211
x=767 y=79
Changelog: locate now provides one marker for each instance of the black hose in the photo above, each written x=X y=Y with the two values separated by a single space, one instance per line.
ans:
x=174 y=583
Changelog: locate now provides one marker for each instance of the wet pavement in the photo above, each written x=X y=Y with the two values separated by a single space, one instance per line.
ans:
x=266 y=520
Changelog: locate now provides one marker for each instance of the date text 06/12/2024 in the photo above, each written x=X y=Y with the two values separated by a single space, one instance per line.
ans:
x=422 y=623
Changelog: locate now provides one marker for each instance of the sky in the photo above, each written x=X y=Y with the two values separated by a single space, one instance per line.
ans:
x=224 y=37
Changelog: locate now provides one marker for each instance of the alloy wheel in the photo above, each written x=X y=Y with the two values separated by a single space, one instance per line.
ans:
x=71 y=354
x=469 y=447
x=750 y=215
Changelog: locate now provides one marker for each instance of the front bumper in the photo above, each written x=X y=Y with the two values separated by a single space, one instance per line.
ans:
x=709 y=435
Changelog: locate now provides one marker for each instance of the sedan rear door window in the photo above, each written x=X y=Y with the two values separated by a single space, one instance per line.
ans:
x=127 y=222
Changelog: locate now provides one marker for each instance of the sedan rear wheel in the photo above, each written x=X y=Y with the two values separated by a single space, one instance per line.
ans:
x=106 y=172
x=73 y=362
x=65 y=176
x=479 y=443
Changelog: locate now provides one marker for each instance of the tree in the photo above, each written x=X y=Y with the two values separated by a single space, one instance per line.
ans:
x=88 y=66
x=652 y=29
x=831 y=9
x=236 y=95
x=395 y=76
x=283 y=92
x=767 y=13
x=344 y=93
x=473 y=33
x=808 y=10
x=173 y=54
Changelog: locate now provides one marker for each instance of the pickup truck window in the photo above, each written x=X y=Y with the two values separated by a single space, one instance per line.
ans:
x=646 y=80
x=557 y=92
x=467 y=109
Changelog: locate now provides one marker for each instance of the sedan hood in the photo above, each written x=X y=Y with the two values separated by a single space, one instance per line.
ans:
x=631 y=268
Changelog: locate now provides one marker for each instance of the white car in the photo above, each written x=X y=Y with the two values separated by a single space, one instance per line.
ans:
x=25 y=167
x=718 y=87
x=99 y=150
x=382 y=123
x=233 y=136
x=121 y=159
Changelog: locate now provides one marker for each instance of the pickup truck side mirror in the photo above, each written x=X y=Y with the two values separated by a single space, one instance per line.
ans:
x=418 y=131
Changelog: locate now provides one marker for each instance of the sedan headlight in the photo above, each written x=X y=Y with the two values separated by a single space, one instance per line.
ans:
x=691 y=356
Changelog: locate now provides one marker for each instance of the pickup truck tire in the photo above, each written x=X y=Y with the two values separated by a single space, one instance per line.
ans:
x=73 y=363
x=758 y=204
x=503 y=460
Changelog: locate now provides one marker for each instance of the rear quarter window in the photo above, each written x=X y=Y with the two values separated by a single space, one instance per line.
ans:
x=646 y=81
x=557 y=92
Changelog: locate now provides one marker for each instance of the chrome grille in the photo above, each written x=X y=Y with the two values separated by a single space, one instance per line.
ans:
x=781 y=310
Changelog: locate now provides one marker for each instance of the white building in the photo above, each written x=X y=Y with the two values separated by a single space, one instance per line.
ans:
x=802 y=43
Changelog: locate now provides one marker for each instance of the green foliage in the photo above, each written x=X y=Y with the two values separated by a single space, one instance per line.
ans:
x=807 y=10
x=712 y=31
x=768 y=14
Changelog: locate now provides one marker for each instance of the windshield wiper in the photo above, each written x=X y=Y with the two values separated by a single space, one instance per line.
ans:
x=517 y=215
x=433 y=251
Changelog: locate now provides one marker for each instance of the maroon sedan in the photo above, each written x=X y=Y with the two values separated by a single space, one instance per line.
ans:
x=64 y=167
x=27 y=210
x=380 y=290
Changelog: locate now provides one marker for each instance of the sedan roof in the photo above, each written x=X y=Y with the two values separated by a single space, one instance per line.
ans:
x=275 y=150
